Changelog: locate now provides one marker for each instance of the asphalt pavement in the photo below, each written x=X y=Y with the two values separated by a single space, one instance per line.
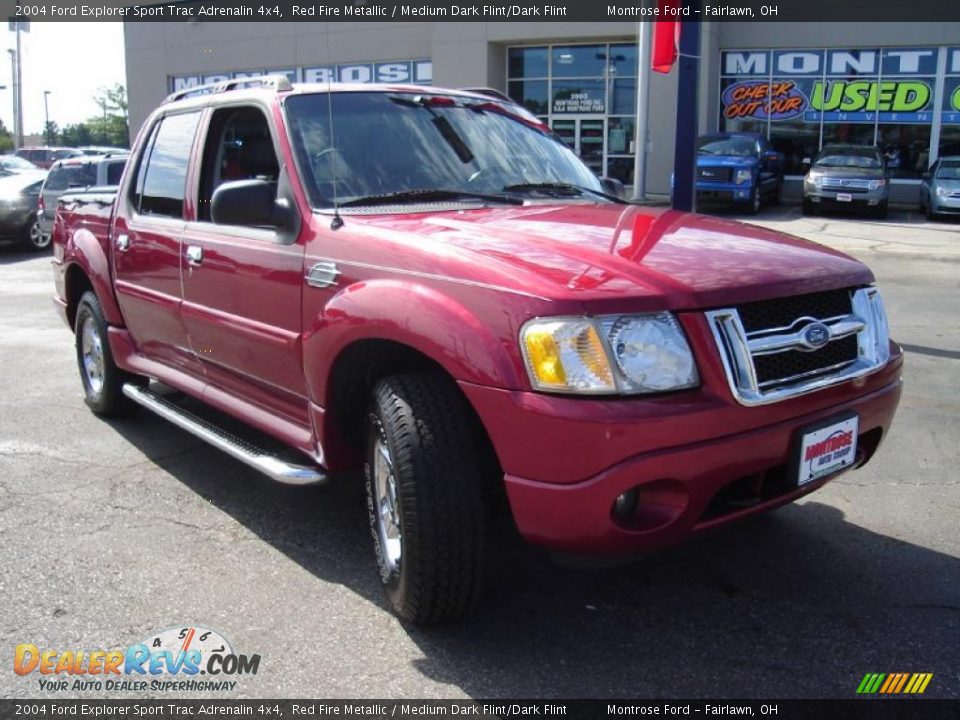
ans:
x=115 y=530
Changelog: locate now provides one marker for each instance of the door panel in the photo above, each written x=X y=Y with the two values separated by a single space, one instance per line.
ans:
x=147 y=235
x=241 y=287
x=241 y=309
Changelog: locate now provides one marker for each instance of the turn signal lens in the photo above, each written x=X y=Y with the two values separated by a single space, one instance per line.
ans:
x=567 y=356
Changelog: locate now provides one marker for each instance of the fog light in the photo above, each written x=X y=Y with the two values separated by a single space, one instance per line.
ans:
x=625 y=504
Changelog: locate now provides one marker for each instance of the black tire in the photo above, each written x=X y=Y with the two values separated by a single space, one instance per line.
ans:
x=880 y=213
x=440 y=503
x=777 y=197
x=807 y=208
x=32 y=238
x=755 y=202
x=102 y=380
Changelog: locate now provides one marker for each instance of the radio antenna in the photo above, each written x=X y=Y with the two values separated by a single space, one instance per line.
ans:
x=337 y=222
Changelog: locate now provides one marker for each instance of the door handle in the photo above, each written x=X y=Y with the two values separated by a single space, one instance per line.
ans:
x=123 y=242
x=194 y=254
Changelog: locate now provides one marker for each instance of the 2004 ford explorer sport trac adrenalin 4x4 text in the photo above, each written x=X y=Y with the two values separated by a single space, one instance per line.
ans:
x=428 y=285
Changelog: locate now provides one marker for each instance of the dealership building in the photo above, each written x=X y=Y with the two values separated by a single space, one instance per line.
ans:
x=896 y=85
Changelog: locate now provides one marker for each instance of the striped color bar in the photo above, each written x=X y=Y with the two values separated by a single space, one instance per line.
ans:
x=894 y=683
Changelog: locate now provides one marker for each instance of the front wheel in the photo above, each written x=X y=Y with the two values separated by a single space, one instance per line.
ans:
x=33 y=237
x=102 y=379
x=756 y=200
x=425 y=497
x=880 y=213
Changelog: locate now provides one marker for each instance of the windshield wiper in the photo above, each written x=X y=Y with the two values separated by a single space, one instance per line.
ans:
x=559 y=189
x=402 y=196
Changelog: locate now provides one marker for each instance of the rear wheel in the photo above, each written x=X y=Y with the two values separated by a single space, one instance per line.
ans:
x=102 y=379
x=32 y=237
x=425 y=497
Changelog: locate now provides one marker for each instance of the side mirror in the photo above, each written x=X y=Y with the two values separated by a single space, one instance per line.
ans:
x=612 y=186
x=805 y=165
x=252 y=203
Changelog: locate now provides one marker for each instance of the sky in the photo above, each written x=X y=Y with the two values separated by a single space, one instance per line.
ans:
x=71 y=60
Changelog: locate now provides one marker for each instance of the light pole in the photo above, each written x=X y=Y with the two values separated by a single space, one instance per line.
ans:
x=46 y=115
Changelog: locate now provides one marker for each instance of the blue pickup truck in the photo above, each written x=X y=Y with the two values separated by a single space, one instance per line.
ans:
x=738 y=169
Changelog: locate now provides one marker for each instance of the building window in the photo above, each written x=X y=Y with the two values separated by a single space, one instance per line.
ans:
x=587 y=93
x=805 y=99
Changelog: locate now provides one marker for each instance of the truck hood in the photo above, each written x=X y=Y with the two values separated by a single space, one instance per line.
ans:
x=656 y=258
x=737 y=161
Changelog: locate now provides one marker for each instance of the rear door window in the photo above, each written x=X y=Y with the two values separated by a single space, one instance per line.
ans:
x=164 y=175
x=66 y=177
x=115 y=172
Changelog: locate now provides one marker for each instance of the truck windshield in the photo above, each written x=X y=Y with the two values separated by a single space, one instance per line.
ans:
x=736 y=146
x=389 y=144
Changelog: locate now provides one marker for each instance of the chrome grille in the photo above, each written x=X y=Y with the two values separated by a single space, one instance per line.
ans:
x=777 y=349
x=845 y=185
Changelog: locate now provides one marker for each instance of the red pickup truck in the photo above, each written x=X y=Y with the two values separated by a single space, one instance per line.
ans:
x=429 y=286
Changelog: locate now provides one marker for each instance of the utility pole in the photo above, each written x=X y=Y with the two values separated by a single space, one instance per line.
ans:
x=46 y=118
x=13 y=74
x=18 y=90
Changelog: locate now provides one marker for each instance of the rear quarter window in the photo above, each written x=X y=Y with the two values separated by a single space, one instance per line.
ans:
x=115 y=172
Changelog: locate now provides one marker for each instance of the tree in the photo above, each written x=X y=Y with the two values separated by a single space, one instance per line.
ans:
x=51 y=133
x=112 y=127
x=6 y=139
x=76 y=135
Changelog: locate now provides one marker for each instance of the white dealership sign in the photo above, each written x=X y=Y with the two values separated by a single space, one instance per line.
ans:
x=417 y=72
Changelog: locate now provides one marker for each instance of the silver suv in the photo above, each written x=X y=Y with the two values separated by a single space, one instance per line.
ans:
x=846 y=177
x=73 y=173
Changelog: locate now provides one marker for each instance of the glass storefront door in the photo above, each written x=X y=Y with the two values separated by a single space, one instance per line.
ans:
x=586 y=136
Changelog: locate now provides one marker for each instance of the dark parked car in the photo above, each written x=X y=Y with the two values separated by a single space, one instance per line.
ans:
x=77 y=172
x=18 y=209
x=847 y=176
x=738 y=169
x=12 y=165
x=44 y=157
x=940 y=189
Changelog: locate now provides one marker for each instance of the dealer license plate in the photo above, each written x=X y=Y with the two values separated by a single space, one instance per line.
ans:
x=827 y=449
x=844 y=197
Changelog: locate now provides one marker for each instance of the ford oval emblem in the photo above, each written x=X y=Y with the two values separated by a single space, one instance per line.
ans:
x=815 y=335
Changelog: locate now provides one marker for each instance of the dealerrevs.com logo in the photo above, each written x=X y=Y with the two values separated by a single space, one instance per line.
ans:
x=190 y=658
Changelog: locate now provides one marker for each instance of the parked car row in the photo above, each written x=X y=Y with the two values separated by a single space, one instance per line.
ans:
x=29 y=191
x=743 y=170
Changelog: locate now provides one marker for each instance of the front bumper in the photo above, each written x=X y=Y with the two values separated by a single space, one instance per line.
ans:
x=944 y=204
x=870 y=198
x=726 y=193
x=697 y=460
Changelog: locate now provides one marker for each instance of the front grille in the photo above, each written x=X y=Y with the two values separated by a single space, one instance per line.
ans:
x=782 y=312
x=779 y=367
x=853 y=186
x=715 y=174
x=775 y=349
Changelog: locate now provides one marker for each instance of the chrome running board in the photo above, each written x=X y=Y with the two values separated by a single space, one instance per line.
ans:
x=269 y=465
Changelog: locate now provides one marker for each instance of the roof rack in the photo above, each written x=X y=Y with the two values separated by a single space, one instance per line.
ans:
x=279 y=83
x=489 y=92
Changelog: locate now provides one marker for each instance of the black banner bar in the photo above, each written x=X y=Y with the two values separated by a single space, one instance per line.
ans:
x=859 y=709
x=859 y=11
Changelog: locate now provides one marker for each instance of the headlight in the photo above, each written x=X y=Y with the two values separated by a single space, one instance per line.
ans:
x=877 y=184
x=743 y=176
x=815 y=180
x=612 y=354
x=943 y=192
